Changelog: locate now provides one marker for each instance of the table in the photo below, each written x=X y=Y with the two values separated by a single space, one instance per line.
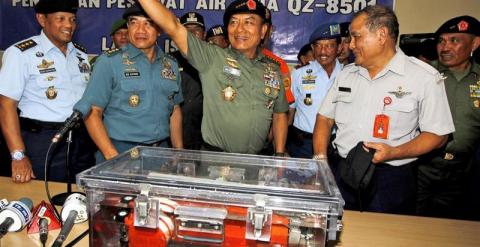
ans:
x=360 y=229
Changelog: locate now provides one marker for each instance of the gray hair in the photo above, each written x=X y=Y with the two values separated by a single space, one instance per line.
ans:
x=380 y=16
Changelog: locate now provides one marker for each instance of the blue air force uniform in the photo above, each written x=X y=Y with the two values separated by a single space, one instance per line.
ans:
x=137 y=96
x=46 y=83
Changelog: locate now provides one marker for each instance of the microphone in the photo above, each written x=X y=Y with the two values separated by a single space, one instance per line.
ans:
x=3 y=203
x=43 y=230
x=15 y=216
x=69 y=123
x=74 y=211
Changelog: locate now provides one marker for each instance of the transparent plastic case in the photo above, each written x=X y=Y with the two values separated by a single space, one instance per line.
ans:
x=165 y=197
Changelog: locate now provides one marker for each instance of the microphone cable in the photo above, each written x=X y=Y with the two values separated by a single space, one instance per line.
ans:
x=47 y=164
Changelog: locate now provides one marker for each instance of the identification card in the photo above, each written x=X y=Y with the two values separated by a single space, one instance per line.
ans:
x=380 y=127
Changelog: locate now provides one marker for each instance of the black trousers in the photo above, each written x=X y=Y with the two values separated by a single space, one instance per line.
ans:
x=392 y=189
x=37 y=139
x=443 y=186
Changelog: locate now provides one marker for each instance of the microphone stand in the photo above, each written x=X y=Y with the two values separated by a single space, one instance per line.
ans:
x=59 y=199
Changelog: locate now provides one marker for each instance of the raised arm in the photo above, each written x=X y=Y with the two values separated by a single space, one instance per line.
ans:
x=168 y=22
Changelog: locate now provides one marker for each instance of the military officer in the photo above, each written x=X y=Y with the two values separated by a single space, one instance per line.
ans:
x=217 y=35
x=119 y=33
x=44 y=76
x=243 y=90
x=192 y=106
x=305 y=56
x=345 y=54
x=310 y=85
x=388 y=101
x=134 y=94
x=444 y=174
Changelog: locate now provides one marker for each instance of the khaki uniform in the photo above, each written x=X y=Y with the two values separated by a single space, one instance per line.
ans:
x=238 y=124
x=417 y=96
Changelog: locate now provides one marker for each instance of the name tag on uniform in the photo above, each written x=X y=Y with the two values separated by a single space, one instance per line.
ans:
x=132 y=74
x=43 y=71
x=344 y=89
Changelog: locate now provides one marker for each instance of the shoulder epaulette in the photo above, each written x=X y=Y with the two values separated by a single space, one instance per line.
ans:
x=25 y=45
x=111 y=52
x=424 y=65
x=80 y=47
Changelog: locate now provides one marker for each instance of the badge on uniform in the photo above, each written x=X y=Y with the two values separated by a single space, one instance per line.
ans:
x=134 y=100
x=45 y=64
x=39 y=54
x=308 y=99
x=232 y=68
x=229 y=93
x=82 y=66
x=272 y=84
x=51 y=92
x=399 y=93
x=309 y=78
x=167 y=71
x=269 y=104
x=475 y=94
x=49 y=78
x=382 y=122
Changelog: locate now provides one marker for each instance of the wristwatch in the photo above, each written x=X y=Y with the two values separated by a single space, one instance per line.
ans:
x=18 y=155
x=319 y=157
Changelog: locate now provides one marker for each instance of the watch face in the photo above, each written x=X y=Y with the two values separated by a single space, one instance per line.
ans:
x=18 y=155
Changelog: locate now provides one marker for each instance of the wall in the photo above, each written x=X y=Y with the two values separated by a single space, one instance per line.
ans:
x=425 y=16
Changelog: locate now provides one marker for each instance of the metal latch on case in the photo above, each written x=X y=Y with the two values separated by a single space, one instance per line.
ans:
x=200 y=224
x=146 y=209
x=259 y=220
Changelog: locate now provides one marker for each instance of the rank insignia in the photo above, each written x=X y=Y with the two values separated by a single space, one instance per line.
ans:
x=39 y=54
x=229 y=93
x=134 y=100
x=51 y=92
x=45 y=64
x=399 y=93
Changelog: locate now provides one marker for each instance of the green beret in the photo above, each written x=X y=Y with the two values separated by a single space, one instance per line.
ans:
x=52 y=6
x=118 y=24
x=460 y=24
x=243 y=7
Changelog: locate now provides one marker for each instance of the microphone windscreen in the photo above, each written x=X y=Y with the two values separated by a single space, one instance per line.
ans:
x=27 y=202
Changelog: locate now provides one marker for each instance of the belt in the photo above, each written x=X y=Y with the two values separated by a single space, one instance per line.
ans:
x=302 y=134
x=153 y=144
x=208 y=147
x=36 y=125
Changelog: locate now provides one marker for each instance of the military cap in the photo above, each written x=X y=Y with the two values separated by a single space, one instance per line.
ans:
x=326 y=31
x=135 y=9
x=192 y=18
x=52 y=6
x=344 y=29
x=242 y=7
x=118 y=24
x=460 y=24
x=216 y=31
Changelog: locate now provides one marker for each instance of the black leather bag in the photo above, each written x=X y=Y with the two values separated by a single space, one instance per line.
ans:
x=358 y=170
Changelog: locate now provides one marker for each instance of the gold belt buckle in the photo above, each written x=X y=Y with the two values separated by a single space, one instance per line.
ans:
x=448 y=156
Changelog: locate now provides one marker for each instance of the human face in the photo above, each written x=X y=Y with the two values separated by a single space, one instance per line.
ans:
x=307 y=58
x=58 y=27
x=325 y=51
x=344 y=49
x=142 y=32
x=197 y=30
x=219 y=40
x=454 y=50
x=245 y=31
x=365 y=45
x=120 y=37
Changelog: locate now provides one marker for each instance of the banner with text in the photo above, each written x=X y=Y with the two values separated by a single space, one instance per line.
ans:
x=294 y=20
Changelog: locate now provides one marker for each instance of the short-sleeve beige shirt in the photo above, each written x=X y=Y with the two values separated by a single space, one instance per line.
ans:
x=418 y=104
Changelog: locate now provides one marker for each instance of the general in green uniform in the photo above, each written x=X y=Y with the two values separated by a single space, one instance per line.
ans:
x=444 y=174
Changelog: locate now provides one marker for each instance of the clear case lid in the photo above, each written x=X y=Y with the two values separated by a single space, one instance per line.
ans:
x=286 y=184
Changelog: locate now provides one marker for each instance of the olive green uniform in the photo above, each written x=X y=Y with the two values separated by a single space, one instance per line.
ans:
x=238 y=124
x=443 y=174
